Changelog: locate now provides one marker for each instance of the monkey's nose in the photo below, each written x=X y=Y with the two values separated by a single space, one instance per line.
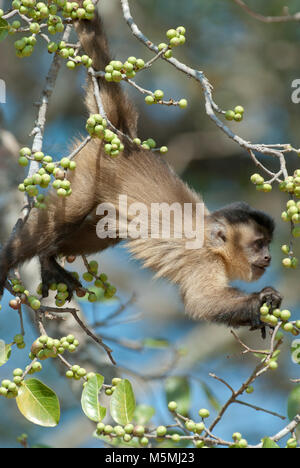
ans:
x=268 y=259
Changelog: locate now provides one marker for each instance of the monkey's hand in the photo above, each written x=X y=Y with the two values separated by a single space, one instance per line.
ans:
x=268 y=296
x=271 y=297
x=236 y=308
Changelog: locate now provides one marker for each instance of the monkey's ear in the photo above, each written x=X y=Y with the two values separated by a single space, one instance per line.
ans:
x=218 y=234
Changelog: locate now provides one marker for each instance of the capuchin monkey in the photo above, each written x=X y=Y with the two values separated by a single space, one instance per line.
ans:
x=236 y=238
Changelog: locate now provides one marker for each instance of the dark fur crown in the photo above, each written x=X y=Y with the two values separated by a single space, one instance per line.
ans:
x=241 y=212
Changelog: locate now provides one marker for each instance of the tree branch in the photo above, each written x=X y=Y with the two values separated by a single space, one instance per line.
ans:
x=268 y=19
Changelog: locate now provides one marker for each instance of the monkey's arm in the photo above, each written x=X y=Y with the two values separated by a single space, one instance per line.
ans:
x=232 y=307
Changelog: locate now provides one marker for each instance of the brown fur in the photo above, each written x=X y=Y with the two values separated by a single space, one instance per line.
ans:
x=68 y=226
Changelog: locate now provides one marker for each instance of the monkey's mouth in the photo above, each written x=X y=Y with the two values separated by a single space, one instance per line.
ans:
x=259 y=269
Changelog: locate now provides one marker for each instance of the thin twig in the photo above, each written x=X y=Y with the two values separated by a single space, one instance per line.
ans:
x=258 y=408
x=268 y=19
x=94 y=337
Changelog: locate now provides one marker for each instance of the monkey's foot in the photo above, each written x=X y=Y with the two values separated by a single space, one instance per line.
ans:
x=53 y=273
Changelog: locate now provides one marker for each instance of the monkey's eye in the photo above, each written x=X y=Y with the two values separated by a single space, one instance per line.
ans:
x=259 y=244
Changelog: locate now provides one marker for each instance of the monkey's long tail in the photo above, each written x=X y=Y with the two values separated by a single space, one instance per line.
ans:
x=117 y=106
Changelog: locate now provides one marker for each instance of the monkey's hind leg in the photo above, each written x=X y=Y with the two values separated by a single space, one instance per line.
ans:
x=53 y=273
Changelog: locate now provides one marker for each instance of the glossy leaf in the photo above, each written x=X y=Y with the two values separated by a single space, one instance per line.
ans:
x=122 y=403
x=38 y=403
x=90 y=399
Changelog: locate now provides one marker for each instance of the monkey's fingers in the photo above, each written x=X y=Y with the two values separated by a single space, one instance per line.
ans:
x=276 y=301
x=52 y=273
x=271 y=297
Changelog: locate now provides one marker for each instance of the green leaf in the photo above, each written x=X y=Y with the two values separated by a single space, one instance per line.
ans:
x=178 y=389
x=155 y=343
x=5 y=352
x=38 y=403
x=122 y=403
x=143 y=414
x=4 y=26
x=90 y=399
x=269 y=444
x=294 y=403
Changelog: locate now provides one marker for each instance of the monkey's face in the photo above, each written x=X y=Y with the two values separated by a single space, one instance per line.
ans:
x=241 y=237
x=255 y=245
x=244 y=248
x=261 y=258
